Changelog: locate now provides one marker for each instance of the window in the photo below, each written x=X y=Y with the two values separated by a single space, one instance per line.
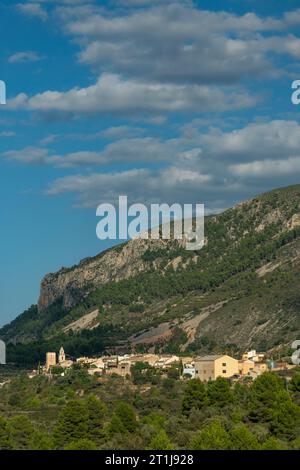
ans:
x=224 y=364
x=224 y=371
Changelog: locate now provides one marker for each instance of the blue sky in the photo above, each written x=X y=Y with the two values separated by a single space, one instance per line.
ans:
x=163 y=101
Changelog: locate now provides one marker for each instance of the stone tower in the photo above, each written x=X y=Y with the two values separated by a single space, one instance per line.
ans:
x=61 y=356
x=50 y=360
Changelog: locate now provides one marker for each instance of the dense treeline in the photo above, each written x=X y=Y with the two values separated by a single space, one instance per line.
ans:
x=88 y=342
x=153 y=410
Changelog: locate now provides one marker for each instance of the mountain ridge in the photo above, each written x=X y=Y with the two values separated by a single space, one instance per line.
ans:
x=240 y=290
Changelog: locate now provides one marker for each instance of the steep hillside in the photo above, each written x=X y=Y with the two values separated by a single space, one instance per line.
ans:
x=71 y=284
x=240 y=290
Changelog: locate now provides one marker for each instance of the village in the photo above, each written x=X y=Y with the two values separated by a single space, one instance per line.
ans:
x=207 y=368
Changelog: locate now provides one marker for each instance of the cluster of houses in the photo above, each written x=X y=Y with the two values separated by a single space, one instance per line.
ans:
x=212 y=366
x=107 y=365
x=252 y=364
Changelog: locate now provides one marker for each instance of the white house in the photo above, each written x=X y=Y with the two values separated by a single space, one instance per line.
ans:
x=189 y=369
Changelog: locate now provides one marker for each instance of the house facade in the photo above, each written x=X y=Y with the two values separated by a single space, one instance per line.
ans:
x=246 y=367
x=213 y=366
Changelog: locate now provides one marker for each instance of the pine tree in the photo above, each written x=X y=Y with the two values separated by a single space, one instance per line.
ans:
x=160 y=442
x=72 y=424
x=81 y=444
x=22 y=433
x=219 y=392
x=243 y=439
x=96 y=411
x=5 y=438
x=127 y=416
x=195 y=396
x=212 y=437
x=116 y=426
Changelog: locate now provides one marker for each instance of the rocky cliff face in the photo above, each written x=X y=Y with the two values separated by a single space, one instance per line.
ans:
x=241 y=289
x=124 y=261
x=117 y=263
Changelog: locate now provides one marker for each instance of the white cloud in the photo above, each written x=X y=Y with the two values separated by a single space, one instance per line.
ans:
x=267 y=168
x=134 y=150
x=32 y=9
x=289 y=44
x=198 y=46
x=7 y=134
x=213 y=150
x=24 y=56
x=67 y=2
x=118 y=132
x=49 y=139
x=112 y=94
x=191 y=167
x=141 y=185
x=264 y=139
x=153 y=61
x=292 y=18
x=131 y=150
x=28 y=155
x=143 y=3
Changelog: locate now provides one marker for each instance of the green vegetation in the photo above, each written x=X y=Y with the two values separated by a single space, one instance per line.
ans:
x=82 y=412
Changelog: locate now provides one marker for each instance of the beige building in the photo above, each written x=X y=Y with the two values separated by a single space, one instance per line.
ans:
x=165 y=362
x=122 y=369
x=91 y=361
x=151 y=359
x=246 y=366
x=260 y=368
x=50 y=360
x=211 y=367
x=253 y=356
x=85 y=360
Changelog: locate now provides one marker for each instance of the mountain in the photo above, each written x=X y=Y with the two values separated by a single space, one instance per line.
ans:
x=241 y=290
